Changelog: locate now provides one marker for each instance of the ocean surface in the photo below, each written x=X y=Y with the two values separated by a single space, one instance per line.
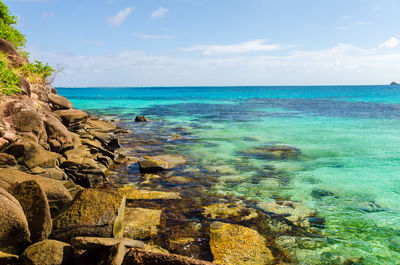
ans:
x=349 y=137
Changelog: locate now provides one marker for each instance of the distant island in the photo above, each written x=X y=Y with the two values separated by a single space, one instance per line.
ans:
x=394 y=84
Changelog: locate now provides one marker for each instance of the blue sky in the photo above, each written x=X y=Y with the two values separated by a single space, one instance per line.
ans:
x=214 y=42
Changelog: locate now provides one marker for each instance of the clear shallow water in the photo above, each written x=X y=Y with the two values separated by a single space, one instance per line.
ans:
x=349 y=137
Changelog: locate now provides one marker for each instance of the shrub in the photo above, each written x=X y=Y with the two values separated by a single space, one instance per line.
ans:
x=9 y=81
x=7 y=30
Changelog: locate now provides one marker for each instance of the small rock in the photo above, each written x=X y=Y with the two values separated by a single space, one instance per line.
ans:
x=142 y=257
x=93 y=212
x=7 y=160
x=141 y=223
x=47 y=252
x=235 y=244
x=36 y=208
x=132 y=193
x=141 y=119
x=98 y=243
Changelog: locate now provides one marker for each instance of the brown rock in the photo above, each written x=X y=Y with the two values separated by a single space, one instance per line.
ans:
x=47 y=252
x=100 y=126
x=132 y=193
x=57 y=133
x=161 y=162
x=59 y=102
x=25 y=86
x=141 y=223
x=115 y=255
x=94 y=212
x=14 y=231
x=36 y=208
x=141 y=119
x=141 y=257
x=28 y=120
x=235 y=244
x=12 y=53
x=57 y=195
x=11 y=137
x=71 y=116
x=3 y=143
x=98 y=243
x=7 y=160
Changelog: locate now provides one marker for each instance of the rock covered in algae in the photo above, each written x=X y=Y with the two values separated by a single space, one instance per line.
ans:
x=93 y=213
x=132 y=193
x=161 y=162
x=140 y=223
x=236 y=244
x=229 y=210
x=98 y=243
x=36 y=208
x=274 y=152
x=47 y=252
x=14 y=231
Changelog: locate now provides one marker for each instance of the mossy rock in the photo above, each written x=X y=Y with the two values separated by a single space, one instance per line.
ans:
x=47 y=252
x=93 y=212
x=132 y=193
x=239 y=245
x=141 y=223
x=229 y=211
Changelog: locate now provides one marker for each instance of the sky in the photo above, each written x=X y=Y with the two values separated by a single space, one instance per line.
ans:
x=214 y=42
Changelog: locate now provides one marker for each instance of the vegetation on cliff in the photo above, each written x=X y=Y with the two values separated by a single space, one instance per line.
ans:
x=10 y=71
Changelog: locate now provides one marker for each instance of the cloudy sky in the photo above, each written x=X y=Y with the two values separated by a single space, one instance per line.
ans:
x=214 y=42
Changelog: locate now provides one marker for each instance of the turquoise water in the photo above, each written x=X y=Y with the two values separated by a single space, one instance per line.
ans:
x=349 y=137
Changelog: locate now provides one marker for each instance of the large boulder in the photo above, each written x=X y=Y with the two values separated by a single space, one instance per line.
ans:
x=28 y=120
x=32 y=154
x=142 y=257
x=36 y=208
x=161 y=162
x=57 y=195
x=58 y=135
x=71 y=116
x=59 y=102
x=94 y=212
x=141 y=223
x=235 y=244
x=14 y=230
x=47 y=252
x=12 y=54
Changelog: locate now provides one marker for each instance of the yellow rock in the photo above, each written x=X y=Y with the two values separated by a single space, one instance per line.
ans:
x=229 y=210
x=239 y=245
x=141 y=223
x=132 y=193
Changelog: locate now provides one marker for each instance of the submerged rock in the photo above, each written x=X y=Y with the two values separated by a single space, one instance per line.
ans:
x=274 y=152
x=14 y=230
x=140 y=118
x=34 y=202
x=229 y=211
x=239 y=245
x=143 y=257
x=132 y=193
x=161 y=162
x=47 y=252
x=141 y=223
x=93 y=213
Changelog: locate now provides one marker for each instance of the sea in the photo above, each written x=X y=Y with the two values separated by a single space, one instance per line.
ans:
x=349 y=138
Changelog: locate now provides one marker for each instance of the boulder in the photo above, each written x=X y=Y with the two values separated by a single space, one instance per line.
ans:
x=161 y=162
x=100 y=126
x=24 y=86
x=274 y=152
x=54 y=173
x=14 y=230
x=142 y=257
x=57 y=195
x=7 y=160
x=32 y=155
x=71 y=116
x=101 y=243
x=59 y=102
x=132 y=193
x=141 y=223
x=36 y=208
x=28 y=120
x=140 y=118
x=57 y=133
x=7 y=259
x=94 y=212
x=47 y=252
x=235 y=244
x=12 y=54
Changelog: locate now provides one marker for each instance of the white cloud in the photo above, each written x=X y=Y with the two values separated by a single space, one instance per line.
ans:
x=353 y=25
x=244 y=47
x=341 y=64
x=151 y=37
x=120 y=17
x=159 y=13
x=390 y=43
